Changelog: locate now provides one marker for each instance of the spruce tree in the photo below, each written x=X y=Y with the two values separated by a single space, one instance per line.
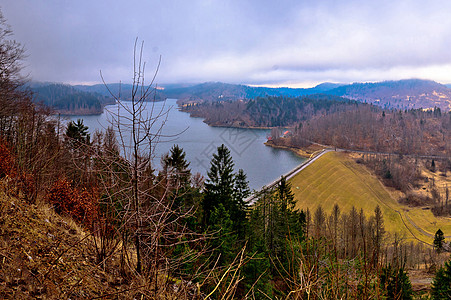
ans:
x=77 y=133
x=439 y=239
x=285 y=195
x=219 y=185
x=240 y=192
x=177 y=167
x=396 y=284
x=441 y=285
x=379 y=233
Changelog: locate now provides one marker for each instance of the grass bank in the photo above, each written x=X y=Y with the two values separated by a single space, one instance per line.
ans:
x=337 y=178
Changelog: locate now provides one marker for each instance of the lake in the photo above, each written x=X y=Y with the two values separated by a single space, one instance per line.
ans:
x=261 y=163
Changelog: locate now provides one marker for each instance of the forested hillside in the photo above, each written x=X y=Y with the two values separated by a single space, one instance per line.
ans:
x=268 y=111
x=409 y=150
x=69 y=100
x=402 y=94
x=218 y=91
x=122 y=90
x=370 y=128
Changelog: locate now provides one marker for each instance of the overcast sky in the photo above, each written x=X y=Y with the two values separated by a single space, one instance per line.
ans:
x=261 y=42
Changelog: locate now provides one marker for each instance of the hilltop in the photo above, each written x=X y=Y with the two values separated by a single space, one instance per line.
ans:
x=68 y=99
x=218 y=91
x=401 y=94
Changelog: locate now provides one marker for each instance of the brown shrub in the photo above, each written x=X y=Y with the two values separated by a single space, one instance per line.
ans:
x=415 y=199
x=81 y=205
x=7 y=161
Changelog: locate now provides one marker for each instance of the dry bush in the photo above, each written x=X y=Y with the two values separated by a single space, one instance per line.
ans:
x=416 y=199
x=81 y=205
x=7 y=161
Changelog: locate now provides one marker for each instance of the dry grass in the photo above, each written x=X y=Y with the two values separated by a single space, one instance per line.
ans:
x=44 y=255
x=47 y=256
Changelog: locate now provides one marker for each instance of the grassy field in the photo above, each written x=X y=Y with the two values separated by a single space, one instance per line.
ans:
x=337 y=178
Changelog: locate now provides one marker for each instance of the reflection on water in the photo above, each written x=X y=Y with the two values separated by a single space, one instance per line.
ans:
x=262 y=164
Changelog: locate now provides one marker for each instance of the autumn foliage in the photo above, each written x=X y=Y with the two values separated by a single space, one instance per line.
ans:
x=81 y=205
x=6 y=161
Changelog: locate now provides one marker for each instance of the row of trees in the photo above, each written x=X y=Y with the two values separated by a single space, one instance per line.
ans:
x=368 y=128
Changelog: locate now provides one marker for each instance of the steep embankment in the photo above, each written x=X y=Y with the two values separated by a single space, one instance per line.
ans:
x=46 y=256
x=337 y=178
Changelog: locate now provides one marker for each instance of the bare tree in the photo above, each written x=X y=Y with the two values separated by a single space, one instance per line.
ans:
x=138 y=125
x=150 y=220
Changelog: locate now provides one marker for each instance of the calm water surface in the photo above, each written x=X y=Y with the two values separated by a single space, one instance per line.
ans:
x=261 y=163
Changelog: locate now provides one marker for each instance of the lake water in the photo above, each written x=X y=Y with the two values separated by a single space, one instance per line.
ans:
x=261 y=163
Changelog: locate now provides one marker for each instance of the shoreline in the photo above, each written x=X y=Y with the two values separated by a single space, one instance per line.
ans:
x=231 y=126
x=225 y=125
x=305 y=152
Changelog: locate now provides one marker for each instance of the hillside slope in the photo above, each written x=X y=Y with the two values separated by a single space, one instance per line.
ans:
x=46 y=256
x=336 y=178
x=67 y=99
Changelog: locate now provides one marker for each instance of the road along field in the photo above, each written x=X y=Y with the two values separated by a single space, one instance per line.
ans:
x=337 y=178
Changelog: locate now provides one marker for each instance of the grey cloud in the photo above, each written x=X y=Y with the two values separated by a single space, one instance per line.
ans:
x=235 y=41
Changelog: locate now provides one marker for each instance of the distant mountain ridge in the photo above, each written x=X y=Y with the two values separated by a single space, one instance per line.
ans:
x=218 y=91
x=401 y=94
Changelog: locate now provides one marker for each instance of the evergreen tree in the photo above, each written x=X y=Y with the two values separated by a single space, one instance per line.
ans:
x=76 y=139
x=77 y=133
x=293 y=219
x=219 y=185
x=224 y=244
x=177 y=174
x=184 y=194
x=285 y=195
x=277 y=227
x=396 y=283
x=439 y=239
x=240 y=192
x=178 y=164
x=441 y=285
x=378 y=233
